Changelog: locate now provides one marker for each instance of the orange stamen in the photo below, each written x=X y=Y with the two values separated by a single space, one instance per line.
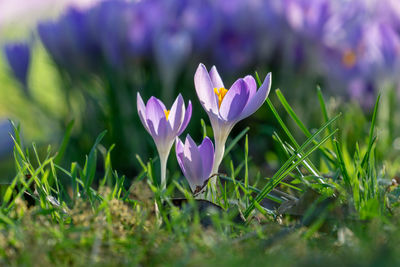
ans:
x=221 y=92
x=349 y=58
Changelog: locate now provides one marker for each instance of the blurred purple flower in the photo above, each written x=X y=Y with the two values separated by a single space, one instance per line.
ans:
x=324 y=38
x=227 y=107
x=307 y=17
x=127 y=29
x=362 y=91
x=196 y=162
x=387 y=41
x=18 y=56
x=243 y=33
x=172 y=49
x=164 y=125
x=199 y=19
x=234 y=50
x=70 y=42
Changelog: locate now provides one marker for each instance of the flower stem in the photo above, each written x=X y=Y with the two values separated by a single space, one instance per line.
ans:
x=220 y=141
x=163 y=162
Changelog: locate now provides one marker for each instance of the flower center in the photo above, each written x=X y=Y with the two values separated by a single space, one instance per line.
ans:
x=349 y=58
x=221 y=92
x=166 y=114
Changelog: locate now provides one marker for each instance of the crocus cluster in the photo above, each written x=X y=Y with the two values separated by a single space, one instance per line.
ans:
x=353 y=45
x=224 y=108
x=121 y=33
x=350 y=47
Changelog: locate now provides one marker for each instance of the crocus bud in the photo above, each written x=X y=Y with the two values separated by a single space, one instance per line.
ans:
x=196 y=162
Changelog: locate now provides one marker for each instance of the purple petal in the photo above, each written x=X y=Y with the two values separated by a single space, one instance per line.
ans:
x=205 y=90
x=163 y=132
x=18 y=56
x=152 y=130
x=142 y=111
x=178 y=146
x=251 y=85
x=192 y=162
x=188 y=115
x=161 y=104
x=258 y=99
x=179 y=154
x=176 y=114
x=215 y=78
x=161 y=135
x=154 y=113
x=234 y=101
x=206 y=150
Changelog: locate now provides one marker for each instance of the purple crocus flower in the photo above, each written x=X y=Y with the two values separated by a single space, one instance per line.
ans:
x=226 y=107
x=196 y=162
x=18 y=56
x=164 y=125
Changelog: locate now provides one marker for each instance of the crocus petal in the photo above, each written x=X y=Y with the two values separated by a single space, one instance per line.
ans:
x=234 y=101
x=215 y=78
x=161 y=104
x=18 y=56
x=258 y=99
x=142 y=111
x=251 y=85
x=176 y=114
x=188 y=115
x=206 y=150
x=205 y=90
x=162 y=136
x=192 y=162
x=163 y=131
x=154 y=113
x=179 y=155
x=178 y=146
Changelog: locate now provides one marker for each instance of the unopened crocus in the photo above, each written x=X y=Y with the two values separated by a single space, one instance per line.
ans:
x=164 y=125
x=18 y=56
x=227 y=107
x=196 y=162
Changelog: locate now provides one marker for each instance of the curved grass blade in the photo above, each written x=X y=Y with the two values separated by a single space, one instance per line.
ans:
x=234 y=141
x=285 y=169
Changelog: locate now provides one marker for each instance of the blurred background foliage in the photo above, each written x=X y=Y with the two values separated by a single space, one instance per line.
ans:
x=85 y=61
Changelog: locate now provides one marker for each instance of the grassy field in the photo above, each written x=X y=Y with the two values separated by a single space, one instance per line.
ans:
x=331 y=199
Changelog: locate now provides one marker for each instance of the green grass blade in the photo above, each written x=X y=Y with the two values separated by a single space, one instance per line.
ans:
x=371 y=138
x=280 y=175
x=203 y=128
x=291 y=112
x=289 y=161
x=322 y=104
x=234 y=141
x=342 y=164
x=90 y=165
x=64 y=143
x=283 y=125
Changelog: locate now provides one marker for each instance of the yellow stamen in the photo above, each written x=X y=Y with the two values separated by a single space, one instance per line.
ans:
x=166 y=114
x=221 y=92
x=349 y=58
